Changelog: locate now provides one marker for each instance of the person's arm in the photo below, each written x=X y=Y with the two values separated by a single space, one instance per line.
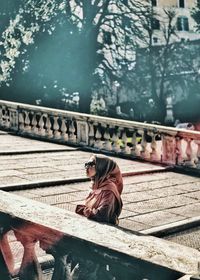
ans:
x=79 y=209
x=105 y=210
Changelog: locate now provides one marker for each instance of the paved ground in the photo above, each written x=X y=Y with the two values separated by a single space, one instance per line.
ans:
x=188 y=238
x=25 y=162
x=153 y=197
x=150 y=200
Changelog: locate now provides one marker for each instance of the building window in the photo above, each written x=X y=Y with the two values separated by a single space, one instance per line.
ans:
x=107 y=38
x=181 y=3
x=183 y=40
x=182 y=24
x=155 y=40
x=154 y=3
x=155 y=24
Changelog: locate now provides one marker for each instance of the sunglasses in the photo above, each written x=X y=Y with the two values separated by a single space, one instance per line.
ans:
x=89 y=164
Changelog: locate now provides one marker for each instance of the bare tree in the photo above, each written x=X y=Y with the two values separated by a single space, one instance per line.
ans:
x=101 y=37
x=106 y=30
x=170 y=64
x=156 y=57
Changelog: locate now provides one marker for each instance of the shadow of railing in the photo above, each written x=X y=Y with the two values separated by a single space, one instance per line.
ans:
x=154 y=143
x=84 y=249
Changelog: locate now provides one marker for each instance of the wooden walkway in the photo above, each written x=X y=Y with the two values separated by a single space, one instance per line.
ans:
x=155 y=198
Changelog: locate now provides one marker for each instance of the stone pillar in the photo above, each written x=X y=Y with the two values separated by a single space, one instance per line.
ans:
x=30 y=268
x=168 y=149
x=6 y=253
x=4 y=272
x=169 y=118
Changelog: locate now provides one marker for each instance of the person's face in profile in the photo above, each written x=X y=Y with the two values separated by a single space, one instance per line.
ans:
x=90 y=167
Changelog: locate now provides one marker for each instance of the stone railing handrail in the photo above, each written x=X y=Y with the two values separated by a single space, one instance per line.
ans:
x=120 y=122
x=151 y=142
x=82 y=246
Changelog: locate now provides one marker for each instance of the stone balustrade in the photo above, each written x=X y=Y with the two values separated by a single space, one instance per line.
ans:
x=144 y=141
x=84 y=249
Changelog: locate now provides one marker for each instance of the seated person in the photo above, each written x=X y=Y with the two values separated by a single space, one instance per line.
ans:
x=103 y=203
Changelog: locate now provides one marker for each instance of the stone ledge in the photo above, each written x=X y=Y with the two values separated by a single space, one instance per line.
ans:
x=173 y=227
x=40 y=184
x=146 y=248
x=37 y=151
x=57 y=182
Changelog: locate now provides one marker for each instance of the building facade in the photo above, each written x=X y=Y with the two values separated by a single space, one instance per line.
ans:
x=184 y=24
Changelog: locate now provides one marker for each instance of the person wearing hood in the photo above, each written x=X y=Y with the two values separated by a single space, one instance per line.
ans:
x=104 y=203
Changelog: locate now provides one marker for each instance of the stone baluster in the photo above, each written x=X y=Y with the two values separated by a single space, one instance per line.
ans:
x=6 y=256
x=4 y=272
x=34 y=127
x=41 y=129
x=169 y=118
x=49 y=131
x=107 y=137
x=1 y=116
x=63 y=269
x=56 y=127
x=72 y=136
x=3 y=113
x=198 y=154
x=13 y=119
x=134 y=149
x=30 y=268
x=91 y=134
x=82 y=130
x=7 y=119
x=143 y=152
x=168 y=149
x=179 y=152
x=52 y=243
x=189 y=160
x=64 y=130
x=21 y=121
x=115 y=139
x=72 y=265
x=125 y=149
x=154 y=152
x=98 y=135
x=27 y=122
